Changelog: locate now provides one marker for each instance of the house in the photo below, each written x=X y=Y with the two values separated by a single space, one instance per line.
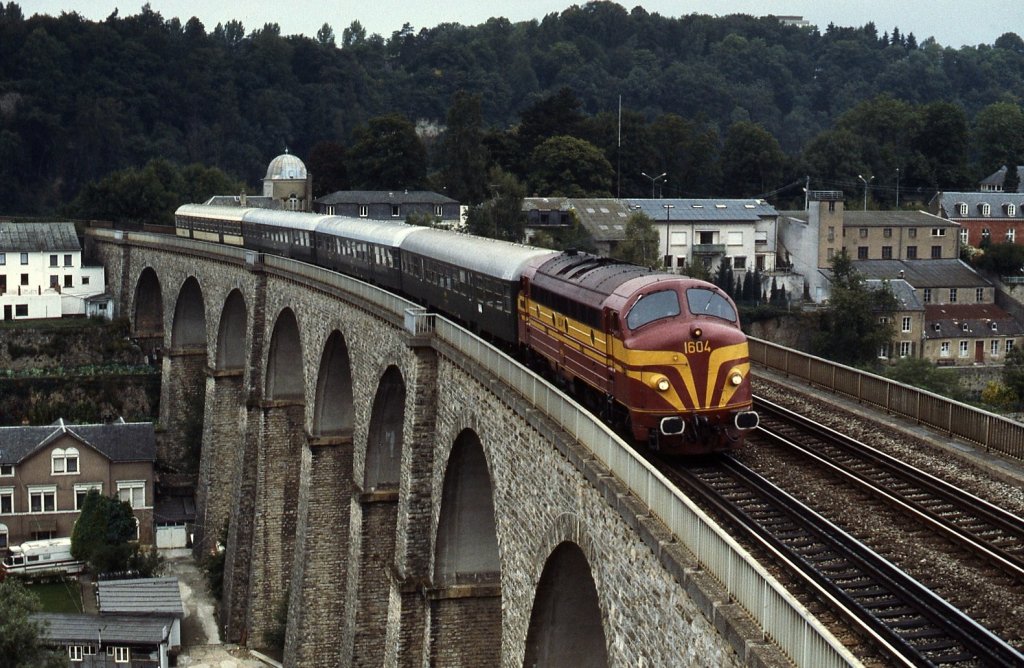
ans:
x=391 y=205
x=42 y=276
x=994 y=182
x=138 y=625
x=809 y=239
x=288 y=184
x=961 y=325
x=45 y=473
x=603 y=218
x=909 y=319
x=984 y=217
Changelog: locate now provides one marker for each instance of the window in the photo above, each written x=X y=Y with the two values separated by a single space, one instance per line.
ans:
x=83 y=489
x=6 y=470
x=979 y=295
x=739 y=262
x=1009 y=345
x=651 y=307
x=963 y=235
x=862 y=252
x=927 y=296
x=1011 y=235
x=952 y=295
x=24 y=258
x=912 y=233
x=964 y=345
x=67 y=259
x=6 y=500
x=734 y=238
x=396 y=211
x=831 y=233
x=21 y=310
x=986 y=234
x=886 y=252
x=906 y=324
x=53 y=260
x=3 y=258
x=831 y=253
x=936 y=252
x=120 y=654
x=883 y=351
x=863 y=233
x=710 y=302
x=75 y=652
x=364 y=211
x=132 y=491
x=985 y=208
x=64 y=461
x=993 y=348
x=904 y=348
x=24 y=279
x=961 y=208
x=1011 y=209
x=911 y=252
x=938 y=231
x=67 y=281
x=438 y=210
x=85 y=280
x=887 y=232
x=54 y=280
x=944 y=349
x=90 y=650
x=42 y=499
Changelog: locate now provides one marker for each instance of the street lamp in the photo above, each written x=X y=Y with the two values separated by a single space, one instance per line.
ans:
x=655 y=179
x=668 y=229
x=870 y=178
x=897 y=187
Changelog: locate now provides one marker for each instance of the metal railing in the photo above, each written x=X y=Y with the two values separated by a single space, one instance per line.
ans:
x=783 y=619
x=993 y=432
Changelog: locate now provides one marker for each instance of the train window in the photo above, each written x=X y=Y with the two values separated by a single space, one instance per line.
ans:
x=709 y=302
x=651 y=307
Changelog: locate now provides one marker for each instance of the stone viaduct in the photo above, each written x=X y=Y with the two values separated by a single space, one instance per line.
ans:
x=400 y=502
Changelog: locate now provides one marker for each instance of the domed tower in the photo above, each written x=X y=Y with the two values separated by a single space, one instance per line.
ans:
x=288 y=183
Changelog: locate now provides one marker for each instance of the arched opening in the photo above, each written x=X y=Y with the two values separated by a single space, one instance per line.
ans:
x=231 y=333
x=148 y=317
x=565 y=624
x=467 y=539
x=384 y=443
x=284 y=363
x=332 y=413
x=189 y=326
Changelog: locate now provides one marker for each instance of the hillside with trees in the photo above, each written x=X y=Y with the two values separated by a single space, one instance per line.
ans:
x=729 y=106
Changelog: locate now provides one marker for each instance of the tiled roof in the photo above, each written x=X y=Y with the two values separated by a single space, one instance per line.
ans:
x=998 y=177
x=120 y=442
x=710 y=210
x=947 y=205
x=144 y=596
x=903 y=291
x=38 y=237
x=949 y=321
x=923 y=273
x=72 y=628
x=894 y=219
x=385 y=197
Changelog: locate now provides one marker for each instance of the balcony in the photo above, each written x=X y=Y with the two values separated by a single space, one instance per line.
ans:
x=709 y=249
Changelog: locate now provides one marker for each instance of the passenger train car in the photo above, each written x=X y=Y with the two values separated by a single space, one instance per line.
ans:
x=660 y=354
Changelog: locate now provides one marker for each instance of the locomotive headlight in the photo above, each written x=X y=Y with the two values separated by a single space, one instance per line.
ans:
x=736 y=378
x=660 y=383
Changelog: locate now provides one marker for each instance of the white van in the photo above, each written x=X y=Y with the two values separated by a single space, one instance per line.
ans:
x=37 y=556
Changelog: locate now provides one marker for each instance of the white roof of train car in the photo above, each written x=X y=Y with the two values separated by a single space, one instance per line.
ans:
x=491 y=257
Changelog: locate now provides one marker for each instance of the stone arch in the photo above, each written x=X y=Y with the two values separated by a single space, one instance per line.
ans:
x=565 y=623
x=231 y=334
x=467 y=538
x=284 y=361
x=333 y=412
x=189 y=326
x=148 y=315
x=385 y=438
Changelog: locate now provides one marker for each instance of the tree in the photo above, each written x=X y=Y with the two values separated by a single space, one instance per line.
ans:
x=21 y=643
x=325 y=36
x=1012 y=181
x=327 y=165
x=857 y=322
x=1013 y=373
x=640 y=247
x=1003 y=259
x=752 y=160
x=354 y=34
x=501 y=217
x=388 y=154
x=570 y=167
x=918 y=372
x=103 y=532
x=463 y=155
x=998 y=135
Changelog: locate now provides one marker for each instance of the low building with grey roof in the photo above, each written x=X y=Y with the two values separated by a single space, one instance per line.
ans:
x=392 y=205
x=95 y=641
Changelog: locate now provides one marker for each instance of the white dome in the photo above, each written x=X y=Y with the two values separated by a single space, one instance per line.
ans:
x=286 y=166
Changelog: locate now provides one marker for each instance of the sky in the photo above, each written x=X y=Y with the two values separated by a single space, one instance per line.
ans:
x=951 y=22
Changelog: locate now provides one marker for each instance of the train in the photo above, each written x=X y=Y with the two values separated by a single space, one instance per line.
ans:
x=659 y=356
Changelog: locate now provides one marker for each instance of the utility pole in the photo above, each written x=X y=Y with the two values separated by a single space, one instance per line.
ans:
x=668 y=230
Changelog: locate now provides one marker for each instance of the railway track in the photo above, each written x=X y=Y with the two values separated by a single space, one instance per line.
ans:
x=982 y=529
x=908 y=623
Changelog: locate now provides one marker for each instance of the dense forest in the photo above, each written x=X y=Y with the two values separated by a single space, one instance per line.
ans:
x=730 y=106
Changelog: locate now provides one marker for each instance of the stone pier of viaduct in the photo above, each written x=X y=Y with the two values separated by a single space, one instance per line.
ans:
x=403 y=506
